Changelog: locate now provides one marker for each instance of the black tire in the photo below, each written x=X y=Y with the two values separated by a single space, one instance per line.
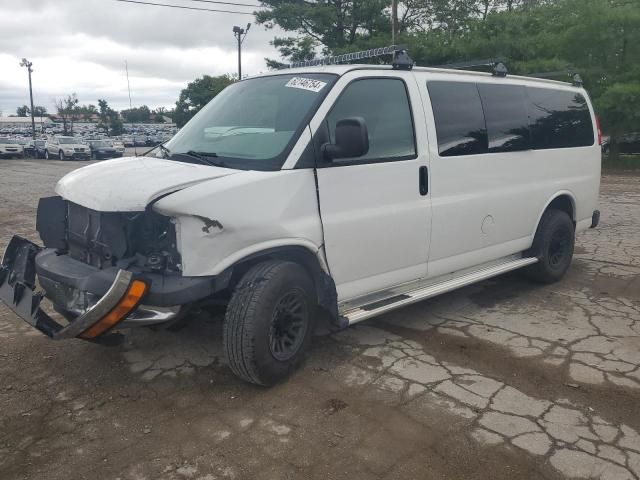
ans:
x=269 y=322
x=553 y=245
x=61 y=155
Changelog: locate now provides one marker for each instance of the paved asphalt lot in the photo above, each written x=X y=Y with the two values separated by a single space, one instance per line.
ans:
x=500 y=380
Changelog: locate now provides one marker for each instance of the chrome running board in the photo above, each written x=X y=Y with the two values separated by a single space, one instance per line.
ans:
x=409 y=293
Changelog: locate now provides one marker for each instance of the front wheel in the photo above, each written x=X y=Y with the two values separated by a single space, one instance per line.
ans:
x=269 y=322
x=553 y=245
x=61 y=155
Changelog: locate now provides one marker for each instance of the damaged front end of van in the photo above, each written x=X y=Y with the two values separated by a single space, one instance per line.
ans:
x=106 y=260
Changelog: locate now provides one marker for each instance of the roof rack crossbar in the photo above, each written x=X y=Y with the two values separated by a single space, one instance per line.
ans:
x=485 y=62
x=497 y=65
x=576 y=79
x=401 y=59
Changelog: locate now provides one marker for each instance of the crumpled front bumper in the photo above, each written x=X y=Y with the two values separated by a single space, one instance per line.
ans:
x=18 y=292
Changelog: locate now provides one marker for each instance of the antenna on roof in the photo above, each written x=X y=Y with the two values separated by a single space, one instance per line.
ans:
x=401 y=59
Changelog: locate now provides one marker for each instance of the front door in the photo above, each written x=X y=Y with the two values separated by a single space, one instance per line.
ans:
x=375 y=209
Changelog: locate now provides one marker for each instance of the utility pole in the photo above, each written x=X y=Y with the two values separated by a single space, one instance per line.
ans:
x=394 y=21
x=28 y=64
x=240 y=34
x=135 y=147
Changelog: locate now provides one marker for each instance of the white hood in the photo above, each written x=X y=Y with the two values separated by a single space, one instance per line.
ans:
x=130 y=184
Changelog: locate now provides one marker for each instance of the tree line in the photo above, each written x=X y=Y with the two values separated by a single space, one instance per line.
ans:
x=599 y=39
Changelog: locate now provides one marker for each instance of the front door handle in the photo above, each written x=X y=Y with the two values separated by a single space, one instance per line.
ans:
x=423 y=175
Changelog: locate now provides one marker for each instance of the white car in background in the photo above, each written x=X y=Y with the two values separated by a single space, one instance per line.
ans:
x=119 y=146
x=10 y=148
x=64 y=148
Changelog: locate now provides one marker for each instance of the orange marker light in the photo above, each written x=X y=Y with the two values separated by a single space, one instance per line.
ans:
x=128 y=302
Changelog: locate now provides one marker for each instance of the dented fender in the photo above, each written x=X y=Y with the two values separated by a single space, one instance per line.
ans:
x=221 y=221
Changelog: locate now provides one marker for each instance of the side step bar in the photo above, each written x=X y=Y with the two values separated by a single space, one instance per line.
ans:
x=432 y=289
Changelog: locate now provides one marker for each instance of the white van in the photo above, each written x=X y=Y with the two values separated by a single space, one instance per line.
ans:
x=347 y=190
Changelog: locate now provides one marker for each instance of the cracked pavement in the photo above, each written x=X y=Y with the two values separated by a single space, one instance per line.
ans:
x=503 y=379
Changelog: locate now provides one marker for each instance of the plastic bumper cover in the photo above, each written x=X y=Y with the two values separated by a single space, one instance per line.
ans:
x=18 y=292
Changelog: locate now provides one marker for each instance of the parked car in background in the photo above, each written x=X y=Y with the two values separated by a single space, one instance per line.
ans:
x=628 y=144
x=40 y=147
x=10 y=148
x=119 y=146
x=65 y=148
x=103 y=149
x=29 y=149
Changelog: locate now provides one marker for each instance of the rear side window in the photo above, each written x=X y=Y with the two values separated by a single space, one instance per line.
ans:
x=384 y=105
x=505 y=111
x=559 y=119
x=460 y=124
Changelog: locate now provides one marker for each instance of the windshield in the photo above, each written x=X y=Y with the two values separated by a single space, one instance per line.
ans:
x=252 y=124
x=102 y=143
x=67 y=140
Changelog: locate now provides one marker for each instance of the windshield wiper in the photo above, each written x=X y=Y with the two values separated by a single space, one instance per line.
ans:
x=202 y=154
x=205 y=157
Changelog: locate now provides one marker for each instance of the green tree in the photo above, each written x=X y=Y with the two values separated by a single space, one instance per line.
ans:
x=197 y=94
x=67 y=111
x=136 y=114
x=23 y=111
x=105 y=113
x=39 y=111
x=116 y=126
x=619 y=108
x=110 y=120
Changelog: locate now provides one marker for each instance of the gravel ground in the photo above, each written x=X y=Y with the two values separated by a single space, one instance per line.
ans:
x=501 y=380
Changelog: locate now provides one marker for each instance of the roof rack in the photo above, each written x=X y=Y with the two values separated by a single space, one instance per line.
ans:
x=401 y=59
x=576 y=79
x=498 y=68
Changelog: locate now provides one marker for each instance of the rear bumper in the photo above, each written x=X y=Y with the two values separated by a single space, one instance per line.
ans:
x=106 y=156
x=93 y=301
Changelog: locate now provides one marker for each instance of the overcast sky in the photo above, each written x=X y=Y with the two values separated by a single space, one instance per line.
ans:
x=81 y=46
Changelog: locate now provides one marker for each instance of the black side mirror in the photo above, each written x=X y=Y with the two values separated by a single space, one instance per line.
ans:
x=352 y=139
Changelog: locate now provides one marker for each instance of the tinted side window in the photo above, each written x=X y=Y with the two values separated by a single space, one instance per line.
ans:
x=459 y=118
x=559 y=119
x=384 y=105
x=505 y=111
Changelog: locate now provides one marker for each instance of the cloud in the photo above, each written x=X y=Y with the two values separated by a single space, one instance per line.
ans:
x=81 y=46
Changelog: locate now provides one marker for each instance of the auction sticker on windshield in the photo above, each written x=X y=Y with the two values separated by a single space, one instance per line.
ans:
x=306 y=84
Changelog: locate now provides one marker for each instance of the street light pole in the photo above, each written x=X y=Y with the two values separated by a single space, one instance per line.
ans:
x=240 y=34
x=28 y=64
x=394 y=21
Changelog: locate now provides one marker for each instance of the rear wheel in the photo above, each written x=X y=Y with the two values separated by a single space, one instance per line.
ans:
x=553 y=245
x=269 y=322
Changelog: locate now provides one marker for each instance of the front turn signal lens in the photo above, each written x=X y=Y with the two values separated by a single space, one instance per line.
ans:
x=127 y=303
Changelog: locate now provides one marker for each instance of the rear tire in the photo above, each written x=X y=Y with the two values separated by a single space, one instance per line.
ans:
x=269 y=322
x=553 y=246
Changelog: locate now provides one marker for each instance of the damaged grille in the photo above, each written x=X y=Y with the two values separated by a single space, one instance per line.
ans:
x=106 y=239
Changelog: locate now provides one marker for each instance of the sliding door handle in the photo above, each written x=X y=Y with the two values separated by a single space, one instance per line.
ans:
x=423 y=175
